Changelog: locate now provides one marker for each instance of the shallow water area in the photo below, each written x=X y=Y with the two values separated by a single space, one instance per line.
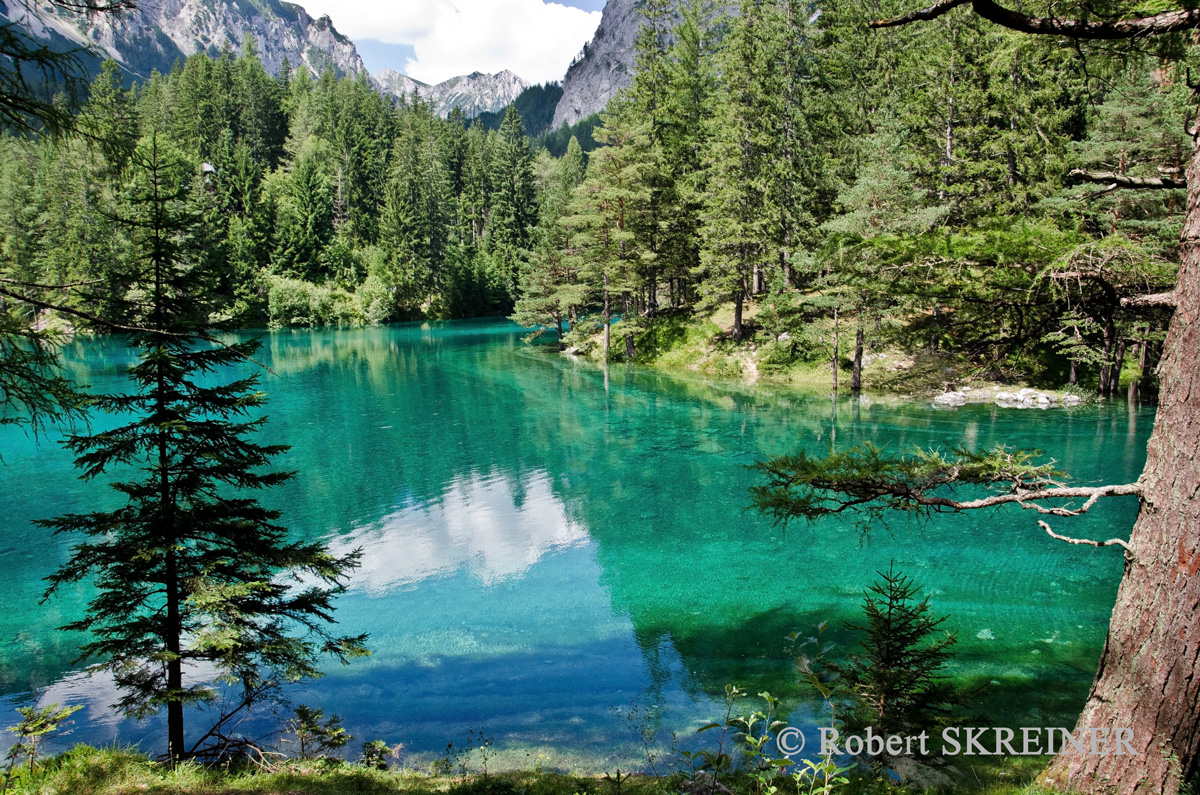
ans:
x=558 y=555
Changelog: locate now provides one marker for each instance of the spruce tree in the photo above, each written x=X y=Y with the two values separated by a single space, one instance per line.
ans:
x=548 y=283
x=191 y=568
x=896 y=679
x=736 y=233
x=513 y=198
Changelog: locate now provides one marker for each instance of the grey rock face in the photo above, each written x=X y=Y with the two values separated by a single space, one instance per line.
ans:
x=606 y=66
x=156 y=33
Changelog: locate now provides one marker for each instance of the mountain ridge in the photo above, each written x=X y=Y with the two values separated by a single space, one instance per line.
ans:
x=158 y=33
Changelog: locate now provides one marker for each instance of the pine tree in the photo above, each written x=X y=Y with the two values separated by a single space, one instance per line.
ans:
x=736 y=237
x=610 y=208
x=513 y=198
x=896 y=679
x=191 y=568
x=548 y=285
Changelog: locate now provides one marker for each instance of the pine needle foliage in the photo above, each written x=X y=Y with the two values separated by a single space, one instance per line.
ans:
x=867 y=481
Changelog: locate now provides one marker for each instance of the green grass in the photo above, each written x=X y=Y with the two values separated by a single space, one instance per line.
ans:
x=113 y=771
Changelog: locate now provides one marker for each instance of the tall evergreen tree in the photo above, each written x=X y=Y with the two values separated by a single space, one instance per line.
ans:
x=513 y=198
x=191 y=568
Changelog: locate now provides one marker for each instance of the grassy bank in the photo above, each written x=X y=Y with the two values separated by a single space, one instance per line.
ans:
x=702 y=343
x=90 y=771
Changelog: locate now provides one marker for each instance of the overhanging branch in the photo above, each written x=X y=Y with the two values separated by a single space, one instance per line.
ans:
x=1114 y=180
x=1167 y=22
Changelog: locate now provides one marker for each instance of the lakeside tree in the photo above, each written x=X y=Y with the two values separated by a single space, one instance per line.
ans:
x=1148 y=679
x=191 y=568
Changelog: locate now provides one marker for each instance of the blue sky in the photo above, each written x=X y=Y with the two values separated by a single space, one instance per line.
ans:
x=433 y=40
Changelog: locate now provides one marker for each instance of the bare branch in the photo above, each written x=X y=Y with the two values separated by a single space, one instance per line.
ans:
x=1167 y=22
x=1157 y=299
x=1028 y=499
x=1114 y=180
x=932 y=12
x=36 y=286
x=1112 y=542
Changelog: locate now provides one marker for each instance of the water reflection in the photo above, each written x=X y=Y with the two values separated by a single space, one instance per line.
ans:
x=493 y=528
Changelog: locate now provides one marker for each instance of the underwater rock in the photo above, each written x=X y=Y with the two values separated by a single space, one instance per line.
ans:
x=985 y=634
x=919 y=775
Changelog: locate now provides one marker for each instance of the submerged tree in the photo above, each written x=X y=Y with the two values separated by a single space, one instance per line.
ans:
x=190 y=569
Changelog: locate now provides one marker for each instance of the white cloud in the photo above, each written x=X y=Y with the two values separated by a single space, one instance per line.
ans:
x=532 y=38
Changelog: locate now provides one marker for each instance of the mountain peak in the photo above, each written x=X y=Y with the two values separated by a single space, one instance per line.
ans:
x=475 y=93
x=606 y=66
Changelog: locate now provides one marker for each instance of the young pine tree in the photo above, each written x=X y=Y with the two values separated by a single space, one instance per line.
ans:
x=896 y=679
x=191 y=568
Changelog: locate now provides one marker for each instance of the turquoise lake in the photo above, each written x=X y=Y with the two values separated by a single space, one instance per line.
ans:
x=548 y=545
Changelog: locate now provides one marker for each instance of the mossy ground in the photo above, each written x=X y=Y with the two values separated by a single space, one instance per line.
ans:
x=90 y=771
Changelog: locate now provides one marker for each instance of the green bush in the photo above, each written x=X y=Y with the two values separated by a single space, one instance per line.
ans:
x=297 y=303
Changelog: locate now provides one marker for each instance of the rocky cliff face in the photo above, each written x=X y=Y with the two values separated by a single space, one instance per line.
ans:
x=157 y=33
x=474 y=93
x=606 y=65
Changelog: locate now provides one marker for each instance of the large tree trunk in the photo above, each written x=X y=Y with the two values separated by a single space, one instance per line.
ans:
x=607 y=317
x=1118 y=365
x=175 y=746
x=1149 y=675
x=833 y=360
x=1110 y=332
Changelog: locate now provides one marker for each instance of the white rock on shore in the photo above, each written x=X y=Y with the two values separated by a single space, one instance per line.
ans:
x=1025 y=399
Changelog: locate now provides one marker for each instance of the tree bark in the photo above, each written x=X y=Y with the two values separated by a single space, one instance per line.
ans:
x=1149 y=675
x=737 y=313
x=833 y=360
x=856 y=375
x=607 y=320
x=628 y=337
x=1105 y=385
x=1118 y=365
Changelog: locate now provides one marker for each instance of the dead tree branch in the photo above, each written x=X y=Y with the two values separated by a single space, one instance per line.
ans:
x=1114 y=180
x=1112 y=542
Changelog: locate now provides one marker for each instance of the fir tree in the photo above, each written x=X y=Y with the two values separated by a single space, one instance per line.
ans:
x=513 y=198
x=191 y=568
x=896 y=680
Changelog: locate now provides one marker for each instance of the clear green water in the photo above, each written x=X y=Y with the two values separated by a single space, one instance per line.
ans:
x=546 y=542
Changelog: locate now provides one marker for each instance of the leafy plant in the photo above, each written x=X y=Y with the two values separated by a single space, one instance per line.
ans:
x=36 y=725
x=756 y=732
